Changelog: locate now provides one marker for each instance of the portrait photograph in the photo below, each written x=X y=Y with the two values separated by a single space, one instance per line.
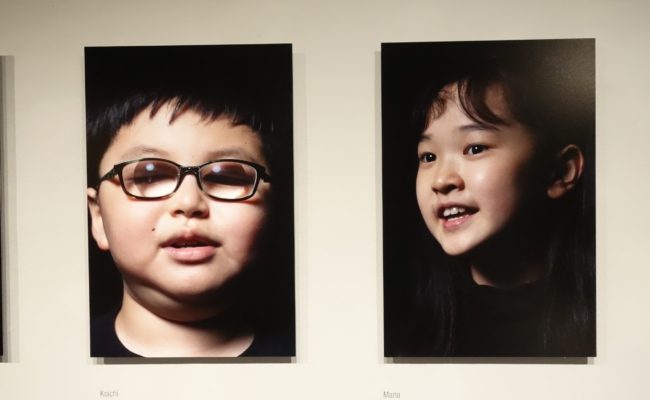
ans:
x=3 y=86
x=488 y=174
x=190 y=201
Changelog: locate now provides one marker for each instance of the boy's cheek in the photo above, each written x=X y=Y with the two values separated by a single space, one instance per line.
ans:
x=243 y=229
x=126 y=230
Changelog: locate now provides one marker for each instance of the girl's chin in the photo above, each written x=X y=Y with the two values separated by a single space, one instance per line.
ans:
x=459 y=249
x=454 y=250
x=456 y=253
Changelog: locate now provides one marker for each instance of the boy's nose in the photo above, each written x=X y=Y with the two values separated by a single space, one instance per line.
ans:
x=189 y=200
x=447 y=178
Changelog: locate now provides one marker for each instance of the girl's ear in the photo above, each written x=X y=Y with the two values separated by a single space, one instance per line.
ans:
x=567 y=170
x=96 y=220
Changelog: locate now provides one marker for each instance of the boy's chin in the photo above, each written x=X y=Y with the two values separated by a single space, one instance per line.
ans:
x=189 y=313
x=182 y=307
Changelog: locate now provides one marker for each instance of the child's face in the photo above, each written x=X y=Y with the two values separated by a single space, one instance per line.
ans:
x=473 y=180
x=180 y=250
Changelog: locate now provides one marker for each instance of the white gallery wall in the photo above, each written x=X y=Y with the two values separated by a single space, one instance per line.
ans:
x=337 y=140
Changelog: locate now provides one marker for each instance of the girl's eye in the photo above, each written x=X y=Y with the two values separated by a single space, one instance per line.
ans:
x=475 y=149
x=427 y=157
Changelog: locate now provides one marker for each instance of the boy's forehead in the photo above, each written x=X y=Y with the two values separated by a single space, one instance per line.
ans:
x=186 y=134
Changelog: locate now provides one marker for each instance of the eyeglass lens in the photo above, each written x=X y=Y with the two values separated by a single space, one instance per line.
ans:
x=158 y=178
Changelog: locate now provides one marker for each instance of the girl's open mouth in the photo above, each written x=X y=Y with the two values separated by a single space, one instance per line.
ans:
x=454 y=216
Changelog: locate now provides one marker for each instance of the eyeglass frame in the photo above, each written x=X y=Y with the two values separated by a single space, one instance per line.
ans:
x=260 y=174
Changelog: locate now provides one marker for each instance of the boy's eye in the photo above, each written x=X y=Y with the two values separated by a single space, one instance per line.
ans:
x=475 y=149
x=233 y=178
x=152 y=178
x=427 y=157
x=228 y=174
x=148 y=173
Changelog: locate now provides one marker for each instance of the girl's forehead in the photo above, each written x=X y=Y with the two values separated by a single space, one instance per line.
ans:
x=448 y=93
x=458 y=96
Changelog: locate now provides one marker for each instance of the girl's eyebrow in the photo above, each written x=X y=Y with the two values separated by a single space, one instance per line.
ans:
x=478 y=127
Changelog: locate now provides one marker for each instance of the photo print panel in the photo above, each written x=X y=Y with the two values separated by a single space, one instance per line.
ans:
x=488 y=198
x=3 y=88
x=190 y=198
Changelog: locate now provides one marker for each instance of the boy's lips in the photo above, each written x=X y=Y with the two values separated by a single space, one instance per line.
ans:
x=190 y=248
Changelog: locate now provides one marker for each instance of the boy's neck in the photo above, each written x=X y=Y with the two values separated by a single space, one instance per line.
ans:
x=149 y=335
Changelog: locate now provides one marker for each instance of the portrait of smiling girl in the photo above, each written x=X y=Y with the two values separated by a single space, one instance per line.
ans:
x=190 y=193
x=490 y=251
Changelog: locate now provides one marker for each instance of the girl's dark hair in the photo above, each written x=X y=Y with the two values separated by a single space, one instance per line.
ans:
x=247 y=84
x=548 y=87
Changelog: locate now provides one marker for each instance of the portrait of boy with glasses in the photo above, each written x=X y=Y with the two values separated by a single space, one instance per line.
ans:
x=190 y=193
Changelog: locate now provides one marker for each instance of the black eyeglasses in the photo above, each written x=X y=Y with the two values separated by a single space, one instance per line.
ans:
x=157 y=178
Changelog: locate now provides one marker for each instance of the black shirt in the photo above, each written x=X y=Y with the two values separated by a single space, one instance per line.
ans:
x=499 y=322
x=105 y=343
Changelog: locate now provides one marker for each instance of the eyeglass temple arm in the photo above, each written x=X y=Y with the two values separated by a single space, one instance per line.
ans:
x=264 y=175
x=110 y=174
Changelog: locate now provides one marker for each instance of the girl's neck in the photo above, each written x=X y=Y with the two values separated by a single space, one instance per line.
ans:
x=489 y=277
x=149 y=335
x=511 y=264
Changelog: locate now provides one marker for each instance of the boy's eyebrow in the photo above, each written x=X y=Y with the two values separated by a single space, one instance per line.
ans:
x=139 y=151
x=142 y=151
x=231 y=152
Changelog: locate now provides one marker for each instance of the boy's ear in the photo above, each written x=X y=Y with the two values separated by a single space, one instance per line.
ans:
x=96 y=220
x=567 y=170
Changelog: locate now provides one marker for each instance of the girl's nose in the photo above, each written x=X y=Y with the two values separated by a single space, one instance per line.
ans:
x=447 y=178
x=189 y=200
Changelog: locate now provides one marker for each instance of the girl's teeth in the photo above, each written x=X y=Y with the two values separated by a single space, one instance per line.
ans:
x=448 y=212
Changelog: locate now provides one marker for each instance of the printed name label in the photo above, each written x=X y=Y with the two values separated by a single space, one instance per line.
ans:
x=108 y=393
x=391 y=395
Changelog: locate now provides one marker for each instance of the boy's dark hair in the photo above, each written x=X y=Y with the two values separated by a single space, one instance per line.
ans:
x=247 y=84
x=548 y=87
